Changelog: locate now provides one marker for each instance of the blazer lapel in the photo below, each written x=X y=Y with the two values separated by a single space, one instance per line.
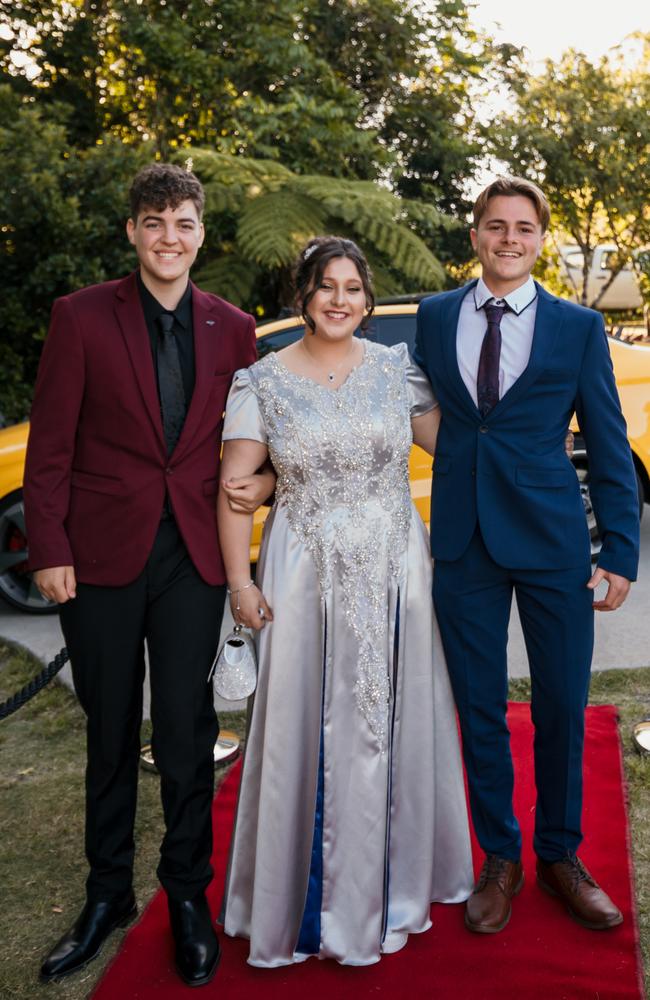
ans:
x=130 y=317
x=207 y=325
x=449 y=325
x=548 y=323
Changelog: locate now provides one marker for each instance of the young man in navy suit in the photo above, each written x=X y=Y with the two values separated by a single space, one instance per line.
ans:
x=120 y=499
x=510 y=364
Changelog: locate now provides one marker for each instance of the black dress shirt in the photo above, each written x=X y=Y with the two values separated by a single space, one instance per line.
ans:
x=183 y=332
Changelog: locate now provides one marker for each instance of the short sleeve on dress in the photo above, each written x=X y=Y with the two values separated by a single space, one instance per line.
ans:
x=421 y=397
x=243 y=418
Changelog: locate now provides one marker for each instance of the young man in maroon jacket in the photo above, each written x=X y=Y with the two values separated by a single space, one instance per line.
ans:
x=120 y=490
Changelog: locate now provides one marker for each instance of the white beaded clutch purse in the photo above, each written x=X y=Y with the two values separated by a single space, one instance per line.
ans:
x=234 y=671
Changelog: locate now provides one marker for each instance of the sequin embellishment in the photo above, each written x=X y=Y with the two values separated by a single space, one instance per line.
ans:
x=341 y=456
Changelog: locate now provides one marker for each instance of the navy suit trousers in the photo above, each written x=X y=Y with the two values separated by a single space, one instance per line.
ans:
x=473 y=597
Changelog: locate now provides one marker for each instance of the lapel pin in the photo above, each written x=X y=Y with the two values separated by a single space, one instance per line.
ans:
x=209 y=322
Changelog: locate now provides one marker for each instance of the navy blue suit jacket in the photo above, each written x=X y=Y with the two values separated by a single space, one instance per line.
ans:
x=510 y=471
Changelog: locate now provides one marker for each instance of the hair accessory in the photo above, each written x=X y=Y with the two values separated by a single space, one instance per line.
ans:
x=309 y=251
x=234 y=670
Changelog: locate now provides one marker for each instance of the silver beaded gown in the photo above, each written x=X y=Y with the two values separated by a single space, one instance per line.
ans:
x=351 y=816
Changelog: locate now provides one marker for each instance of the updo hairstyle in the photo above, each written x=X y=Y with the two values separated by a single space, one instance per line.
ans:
x=311 y=265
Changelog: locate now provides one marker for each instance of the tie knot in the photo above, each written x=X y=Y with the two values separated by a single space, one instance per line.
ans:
x=495 y=312
x=166 y=322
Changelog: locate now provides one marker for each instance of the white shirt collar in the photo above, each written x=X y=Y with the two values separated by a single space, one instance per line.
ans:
x=517 y=300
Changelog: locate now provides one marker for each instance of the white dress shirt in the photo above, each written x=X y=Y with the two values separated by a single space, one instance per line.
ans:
x=517 y=326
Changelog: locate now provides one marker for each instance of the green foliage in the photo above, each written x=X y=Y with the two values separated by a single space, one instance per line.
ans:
x=581 y=130
x=233 y=278
x=63 y=214
x=270 y=212
x=274 y=102
x=357 y=88
x=271 y=225
x=63 y=217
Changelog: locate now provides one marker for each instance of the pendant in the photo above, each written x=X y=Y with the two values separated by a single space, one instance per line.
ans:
x=331 y=376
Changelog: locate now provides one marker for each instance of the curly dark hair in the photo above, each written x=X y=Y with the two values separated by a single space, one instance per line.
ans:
x=310 y=267
x=165 y=185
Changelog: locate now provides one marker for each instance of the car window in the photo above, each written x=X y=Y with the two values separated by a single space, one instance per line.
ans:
x=391 y=330
x=387 y=330
x=276 y=341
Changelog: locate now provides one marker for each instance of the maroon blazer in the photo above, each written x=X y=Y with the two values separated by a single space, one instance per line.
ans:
x=97 y=466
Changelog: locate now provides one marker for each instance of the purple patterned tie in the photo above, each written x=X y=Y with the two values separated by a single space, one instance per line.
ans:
x=487 y=378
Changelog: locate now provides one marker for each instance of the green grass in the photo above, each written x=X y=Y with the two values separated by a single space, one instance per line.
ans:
x=42 y=866
x=42 y=759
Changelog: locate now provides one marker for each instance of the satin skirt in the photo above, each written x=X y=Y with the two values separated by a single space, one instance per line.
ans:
x=392 y=826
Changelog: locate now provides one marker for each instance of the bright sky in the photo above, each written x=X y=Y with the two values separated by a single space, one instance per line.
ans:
x=547 y=29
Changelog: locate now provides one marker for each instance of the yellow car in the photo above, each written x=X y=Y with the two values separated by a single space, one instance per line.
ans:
x=630 y=351
x=392 y=323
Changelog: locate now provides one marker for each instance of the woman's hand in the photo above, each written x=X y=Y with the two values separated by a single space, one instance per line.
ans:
x=246 y=493
x=249 y=608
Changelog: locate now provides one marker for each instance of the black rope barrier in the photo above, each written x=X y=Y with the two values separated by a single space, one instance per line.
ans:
x=36 y=684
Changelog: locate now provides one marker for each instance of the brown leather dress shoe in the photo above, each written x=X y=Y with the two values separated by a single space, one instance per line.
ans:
x=580 y=893
x=488 y=908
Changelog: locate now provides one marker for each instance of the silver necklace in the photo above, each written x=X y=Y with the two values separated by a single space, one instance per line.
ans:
x=331 y=375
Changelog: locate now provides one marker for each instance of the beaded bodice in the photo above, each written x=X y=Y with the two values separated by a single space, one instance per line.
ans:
x=341 y=456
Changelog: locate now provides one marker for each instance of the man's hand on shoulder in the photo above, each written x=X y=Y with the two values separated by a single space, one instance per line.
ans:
x=247 y=493
x=618 y=587
x=57 y=583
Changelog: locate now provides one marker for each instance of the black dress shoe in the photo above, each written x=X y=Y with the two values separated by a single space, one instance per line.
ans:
x=84 y=940
x=197 y=945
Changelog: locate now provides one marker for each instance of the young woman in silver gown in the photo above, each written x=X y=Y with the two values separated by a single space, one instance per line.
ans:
x=351 y=816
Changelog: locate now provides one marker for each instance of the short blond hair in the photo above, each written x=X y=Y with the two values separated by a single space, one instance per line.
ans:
x=510 y=186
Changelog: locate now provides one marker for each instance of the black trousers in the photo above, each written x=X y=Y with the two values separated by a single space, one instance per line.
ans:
x=179 y=616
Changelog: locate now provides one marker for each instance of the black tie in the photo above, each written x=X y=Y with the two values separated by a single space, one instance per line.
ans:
x=170 y=382
x=487 y=378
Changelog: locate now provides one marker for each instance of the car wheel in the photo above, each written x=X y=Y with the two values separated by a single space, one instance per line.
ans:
x=16 y=584
x=581 y=465
x=594 y=537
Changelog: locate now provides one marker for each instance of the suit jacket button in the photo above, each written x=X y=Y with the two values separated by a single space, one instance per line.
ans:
x=168 y=470
x=483 y=429
x=473 y=472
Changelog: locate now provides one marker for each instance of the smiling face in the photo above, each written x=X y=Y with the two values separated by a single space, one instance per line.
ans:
x=507 y=241
x=338 y=304
x=166 y=243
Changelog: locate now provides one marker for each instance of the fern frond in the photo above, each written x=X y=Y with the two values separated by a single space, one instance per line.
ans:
x=244 y=171
x=384 y=282
x=277 y=211
x=230 y=277
x=398 y=244
x=344 y=198
x=274 y=226
x=419 y=211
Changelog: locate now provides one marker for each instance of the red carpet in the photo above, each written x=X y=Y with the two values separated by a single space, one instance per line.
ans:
x=541 y=955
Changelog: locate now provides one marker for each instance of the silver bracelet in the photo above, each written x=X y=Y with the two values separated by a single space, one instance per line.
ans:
x=232 y=593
